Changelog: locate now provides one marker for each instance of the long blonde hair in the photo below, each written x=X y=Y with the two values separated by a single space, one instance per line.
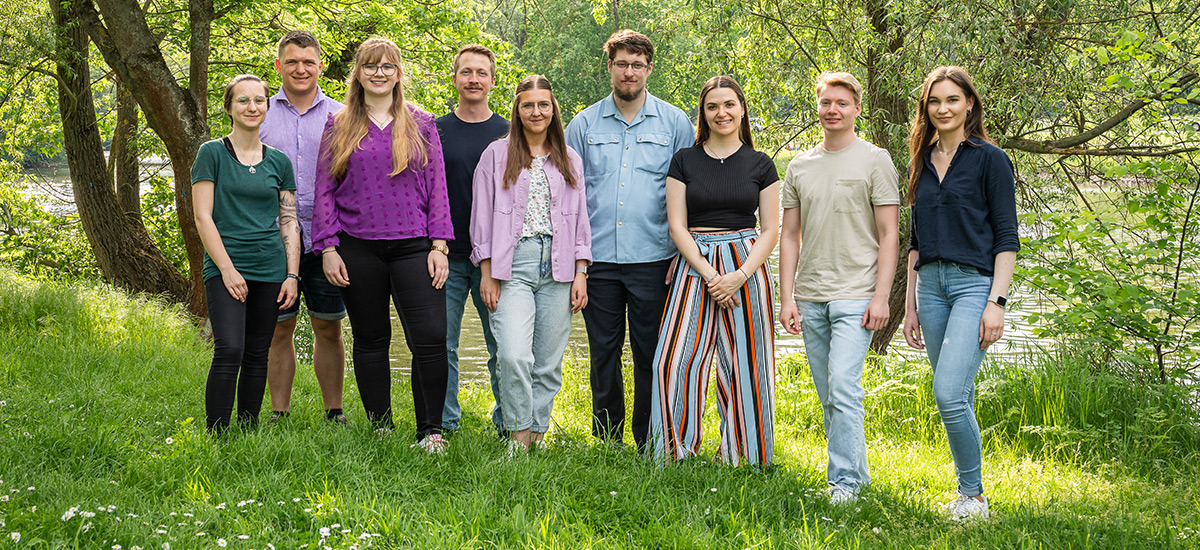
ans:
x=519 y=155
x=350 y=125
x=922 y=132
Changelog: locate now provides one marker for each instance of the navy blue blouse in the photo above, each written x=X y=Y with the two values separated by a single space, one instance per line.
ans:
x=971 y=215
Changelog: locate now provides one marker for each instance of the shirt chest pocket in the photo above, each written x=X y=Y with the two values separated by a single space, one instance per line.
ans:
x=601 y=153
x=848 y=196
x=653 y=153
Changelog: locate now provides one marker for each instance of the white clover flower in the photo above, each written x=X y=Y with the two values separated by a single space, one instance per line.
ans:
x=324 y=532
x=335 y=526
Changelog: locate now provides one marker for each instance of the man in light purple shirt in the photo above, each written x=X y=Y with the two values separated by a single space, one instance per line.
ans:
x=294 y=123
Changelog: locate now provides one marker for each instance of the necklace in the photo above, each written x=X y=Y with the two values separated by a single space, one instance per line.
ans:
x=381 y=122
x=713 y=154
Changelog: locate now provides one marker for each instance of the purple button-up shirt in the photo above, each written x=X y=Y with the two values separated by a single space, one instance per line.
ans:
x=369 y=204
x=298 y=135
x=498 y=214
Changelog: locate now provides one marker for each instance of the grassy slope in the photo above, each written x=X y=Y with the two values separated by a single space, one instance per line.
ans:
x=98 y=392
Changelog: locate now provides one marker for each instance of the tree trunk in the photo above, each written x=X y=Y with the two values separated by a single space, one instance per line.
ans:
x=889 y=116
x=124 y=251
x=131 y=49
x=123 y=162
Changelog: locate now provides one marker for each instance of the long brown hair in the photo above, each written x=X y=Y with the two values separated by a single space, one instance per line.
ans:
x=519 y=156
x=350 y=125
x=922 y=133
x=702 y=130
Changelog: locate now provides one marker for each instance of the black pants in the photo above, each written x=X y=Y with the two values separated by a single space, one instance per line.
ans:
x=397 y=269
x=241 y=339
x=615 y=291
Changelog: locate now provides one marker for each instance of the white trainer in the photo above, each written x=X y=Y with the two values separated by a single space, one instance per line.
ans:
x=965 y=508
x=839 y=495
x=433 y=444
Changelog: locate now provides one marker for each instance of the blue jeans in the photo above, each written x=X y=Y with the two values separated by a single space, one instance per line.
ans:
x=836 y=343
x=950 y=302
x=531 y=323
x=464 y=279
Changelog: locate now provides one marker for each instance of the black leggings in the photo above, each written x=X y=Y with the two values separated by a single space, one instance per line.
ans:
x=399 y=269
x=241 y=339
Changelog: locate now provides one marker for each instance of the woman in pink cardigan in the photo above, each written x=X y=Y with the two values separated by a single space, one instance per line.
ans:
x=531 y=238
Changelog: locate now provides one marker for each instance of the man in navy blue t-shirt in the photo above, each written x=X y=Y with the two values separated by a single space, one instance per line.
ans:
x=466 y=132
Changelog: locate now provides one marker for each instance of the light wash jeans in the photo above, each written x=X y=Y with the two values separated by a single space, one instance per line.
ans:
x=950 y=302
x=464 y=279
x=836 y=343
x=531 y=323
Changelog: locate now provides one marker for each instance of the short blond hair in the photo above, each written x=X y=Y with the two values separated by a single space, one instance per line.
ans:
x=476 y=49
x=845 y=80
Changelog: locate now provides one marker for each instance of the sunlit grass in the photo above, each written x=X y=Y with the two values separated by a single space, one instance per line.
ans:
x=101 y=447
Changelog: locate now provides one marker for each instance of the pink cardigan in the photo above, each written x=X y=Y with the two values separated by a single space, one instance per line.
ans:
x=498 y=214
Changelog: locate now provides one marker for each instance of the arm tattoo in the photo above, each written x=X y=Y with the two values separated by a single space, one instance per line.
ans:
x=289 y=227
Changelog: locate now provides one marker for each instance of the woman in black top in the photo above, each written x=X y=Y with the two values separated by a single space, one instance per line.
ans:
x=720 y=298
x=963 y=247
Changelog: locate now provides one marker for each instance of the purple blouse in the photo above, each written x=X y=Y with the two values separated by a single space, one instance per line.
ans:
x=369 y=204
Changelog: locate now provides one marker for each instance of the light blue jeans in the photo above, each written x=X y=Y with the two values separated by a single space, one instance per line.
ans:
x=464 y=279
x=532 y=323
x=950 y=302
x=836 y=343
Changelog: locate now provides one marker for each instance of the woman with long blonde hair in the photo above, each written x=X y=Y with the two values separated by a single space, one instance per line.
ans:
x=963 y=245
x=381 y=219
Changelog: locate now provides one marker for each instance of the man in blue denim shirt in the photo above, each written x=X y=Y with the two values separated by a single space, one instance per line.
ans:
x=627 y=140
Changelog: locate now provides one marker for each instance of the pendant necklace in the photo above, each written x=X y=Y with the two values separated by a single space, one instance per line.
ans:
x=714 y=154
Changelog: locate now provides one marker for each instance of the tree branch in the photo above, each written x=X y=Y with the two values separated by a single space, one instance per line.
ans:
x=1048 y=148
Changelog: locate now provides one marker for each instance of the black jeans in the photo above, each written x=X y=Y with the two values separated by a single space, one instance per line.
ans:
x=616 y=291
x=241 y=339
x=397 y=269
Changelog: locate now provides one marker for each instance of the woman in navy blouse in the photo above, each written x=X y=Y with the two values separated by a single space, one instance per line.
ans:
x=963 y=247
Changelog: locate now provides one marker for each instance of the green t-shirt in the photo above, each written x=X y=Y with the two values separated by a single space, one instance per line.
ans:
x=245 y=205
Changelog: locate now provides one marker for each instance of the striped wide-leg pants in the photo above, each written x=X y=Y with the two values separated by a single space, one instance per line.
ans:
x=694 y=328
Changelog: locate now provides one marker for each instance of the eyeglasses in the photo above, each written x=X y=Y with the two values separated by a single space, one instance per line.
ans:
x=541 y=106
x=243 y=100
x=388 y=69
x=637 y=66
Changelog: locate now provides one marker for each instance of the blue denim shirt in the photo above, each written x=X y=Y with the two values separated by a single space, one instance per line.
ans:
x=625 y=170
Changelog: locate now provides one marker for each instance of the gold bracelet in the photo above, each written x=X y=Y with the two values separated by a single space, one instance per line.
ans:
x=441 y=248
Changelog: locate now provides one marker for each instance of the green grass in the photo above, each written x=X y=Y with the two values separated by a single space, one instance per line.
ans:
x=101 y=444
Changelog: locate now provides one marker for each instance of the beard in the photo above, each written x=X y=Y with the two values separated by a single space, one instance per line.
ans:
x=628 y=96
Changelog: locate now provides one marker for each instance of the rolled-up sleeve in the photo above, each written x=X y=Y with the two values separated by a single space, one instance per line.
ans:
x=483 y=190
x=1002 y=202
x=325 y=216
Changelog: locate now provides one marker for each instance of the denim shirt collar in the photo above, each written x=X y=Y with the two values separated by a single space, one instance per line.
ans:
x=608 y=108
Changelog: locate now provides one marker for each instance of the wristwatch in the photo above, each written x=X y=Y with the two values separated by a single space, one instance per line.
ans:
x=582 y=269
x=999 y=300
x=441 y=248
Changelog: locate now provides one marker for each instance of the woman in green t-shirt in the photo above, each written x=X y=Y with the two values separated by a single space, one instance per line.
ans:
x=239 y=186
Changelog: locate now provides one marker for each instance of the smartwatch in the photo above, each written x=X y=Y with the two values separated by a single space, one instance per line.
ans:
x=999 y=300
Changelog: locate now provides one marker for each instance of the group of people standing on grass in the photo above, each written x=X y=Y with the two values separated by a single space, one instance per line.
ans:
x=629 y=215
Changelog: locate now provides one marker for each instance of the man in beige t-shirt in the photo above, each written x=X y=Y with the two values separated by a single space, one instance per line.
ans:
x=843 y=197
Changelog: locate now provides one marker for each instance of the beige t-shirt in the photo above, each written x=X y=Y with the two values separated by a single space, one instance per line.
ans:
x=836 y=193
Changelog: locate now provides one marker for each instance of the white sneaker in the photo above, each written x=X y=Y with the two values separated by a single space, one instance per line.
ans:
x=433 y=444
x=965 y=508
x=839 y=495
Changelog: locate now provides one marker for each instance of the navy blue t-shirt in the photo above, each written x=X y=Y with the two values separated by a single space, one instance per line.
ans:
x=971 y=215
x=462 y=145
